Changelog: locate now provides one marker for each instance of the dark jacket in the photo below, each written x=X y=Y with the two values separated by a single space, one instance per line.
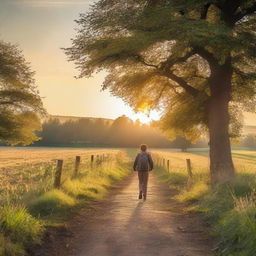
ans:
x=136 y=165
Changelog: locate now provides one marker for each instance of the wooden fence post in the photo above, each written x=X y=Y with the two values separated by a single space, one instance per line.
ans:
x=77 y=164
x=163 y=162
x=168 y=165
x=57 y=180
x=92 y=160
x=189 y=168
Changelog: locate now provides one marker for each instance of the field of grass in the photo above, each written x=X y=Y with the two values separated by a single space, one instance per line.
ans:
x=20 y=156
x=29 y=202
x=229 y=209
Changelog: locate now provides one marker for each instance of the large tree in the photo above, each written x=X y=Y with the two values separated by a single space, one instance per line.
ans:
x=20 y=103
x=194 y=58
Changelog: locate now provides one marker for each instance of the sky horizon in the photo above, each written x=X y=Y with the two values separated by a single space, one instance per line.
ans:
x=41 y=28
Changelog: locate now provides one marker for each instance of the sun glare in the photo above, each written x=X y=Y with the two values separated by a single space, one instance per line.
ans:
x=143 y=108
x=145 y=118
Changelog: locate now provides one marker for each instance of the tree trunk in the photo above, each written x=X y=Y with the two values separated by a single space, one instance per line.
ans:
x=221 y=164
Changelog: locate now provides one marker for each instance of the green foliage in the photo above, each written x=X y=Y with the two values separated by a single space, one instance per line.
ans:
x=19 y=225
x=20 y=103
x=165 y=54
x=237 y=229
x=21 y=228
x=18 y=229
x=50 y=203
x=229 y=209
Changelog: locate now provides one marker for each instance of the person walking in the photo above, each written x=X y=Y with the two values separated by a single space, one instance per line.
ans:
x=143 y=164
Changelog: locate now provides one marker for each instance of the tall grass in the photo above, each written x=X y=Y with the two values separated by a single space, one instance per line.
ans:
x=18 y=230
x=229 y=209
x=29 y=202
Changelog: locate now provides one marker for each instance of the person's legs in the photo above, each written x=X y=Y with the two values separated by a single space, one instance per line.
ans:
x=140 y=176
x=145 y=184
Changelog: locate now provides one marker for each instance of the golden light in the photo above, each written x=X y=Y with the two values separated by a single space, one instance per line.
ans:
x=145 y=117
x=143 y=107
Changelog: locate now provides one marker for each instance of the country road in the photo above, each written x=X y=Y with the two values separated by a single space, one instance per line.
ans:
x=122 y=225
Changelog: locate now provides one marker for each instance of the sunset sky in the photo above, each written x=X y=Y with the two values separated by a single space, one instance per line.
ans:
x=41 y=28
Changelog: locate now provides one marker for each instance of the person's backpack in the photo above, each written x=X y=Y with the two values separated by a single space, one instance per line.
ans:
x=143 y=162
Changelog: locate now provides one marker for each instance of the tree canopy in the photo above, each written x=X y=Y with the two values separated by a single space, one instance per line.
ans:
x=193 y=58
x=20 y=103
x=162 y=53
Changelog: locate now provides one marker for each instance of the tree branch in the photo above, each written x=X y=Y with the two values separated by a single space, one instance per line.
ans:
x=7 y=103
x=204 y=11
x=244 y=13
x=182 y=83
x=207 y=56
x=164 y=70
x=170 y=62
x=140 y=59
x=160 y=95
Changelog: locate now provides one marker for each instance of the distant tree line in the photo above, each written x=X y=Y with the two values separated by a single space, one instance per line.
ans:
x=121 y=132
x=248 y=141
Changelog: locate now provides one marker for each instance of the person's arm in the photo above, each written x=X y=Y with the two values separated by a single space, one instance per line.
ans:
x=151 y=163
x=135 y=162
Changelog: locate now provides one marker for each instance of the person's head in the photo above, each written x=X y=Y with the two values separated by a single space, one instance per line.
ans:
x=143 y=147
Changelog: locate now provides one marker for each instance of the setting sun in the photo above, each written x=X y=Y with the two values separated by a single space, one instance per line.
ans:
x=122 y=127
x=145 y=117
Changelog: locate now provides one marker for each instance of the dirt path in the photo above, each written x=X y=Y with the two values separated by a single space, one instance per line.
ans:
x=124 y=226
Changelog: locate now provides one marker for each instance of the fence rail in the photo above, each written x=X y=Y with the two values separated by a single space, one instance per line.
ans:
x=166 y=163
x=59 y=166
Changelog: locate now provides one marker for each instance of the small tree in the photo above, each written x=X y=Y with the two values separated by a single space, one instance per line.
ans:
x=182 y=143
x=194 y=58
x=20 y=104
x=249 y=141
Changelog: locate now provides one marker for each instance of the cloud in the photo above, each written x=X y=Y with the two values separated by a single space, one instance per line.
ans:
x=50 y=3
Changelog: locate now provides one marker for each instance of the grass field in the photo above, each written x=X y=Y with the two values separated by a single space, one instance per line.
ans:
x=19 y=156
x=229 y=209
x=28 y=200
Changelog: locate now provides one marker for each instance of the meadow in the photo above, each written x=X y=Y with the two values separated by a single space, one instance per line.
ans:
x=29 y=202
x=230 y=210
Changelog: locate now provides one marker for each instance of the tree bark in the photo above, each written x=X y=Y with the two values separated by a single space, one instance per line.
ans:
x=221 y=164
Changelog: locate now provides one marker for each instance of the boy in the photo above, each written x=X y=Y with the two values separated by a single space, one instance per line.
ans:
x=143 y=164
